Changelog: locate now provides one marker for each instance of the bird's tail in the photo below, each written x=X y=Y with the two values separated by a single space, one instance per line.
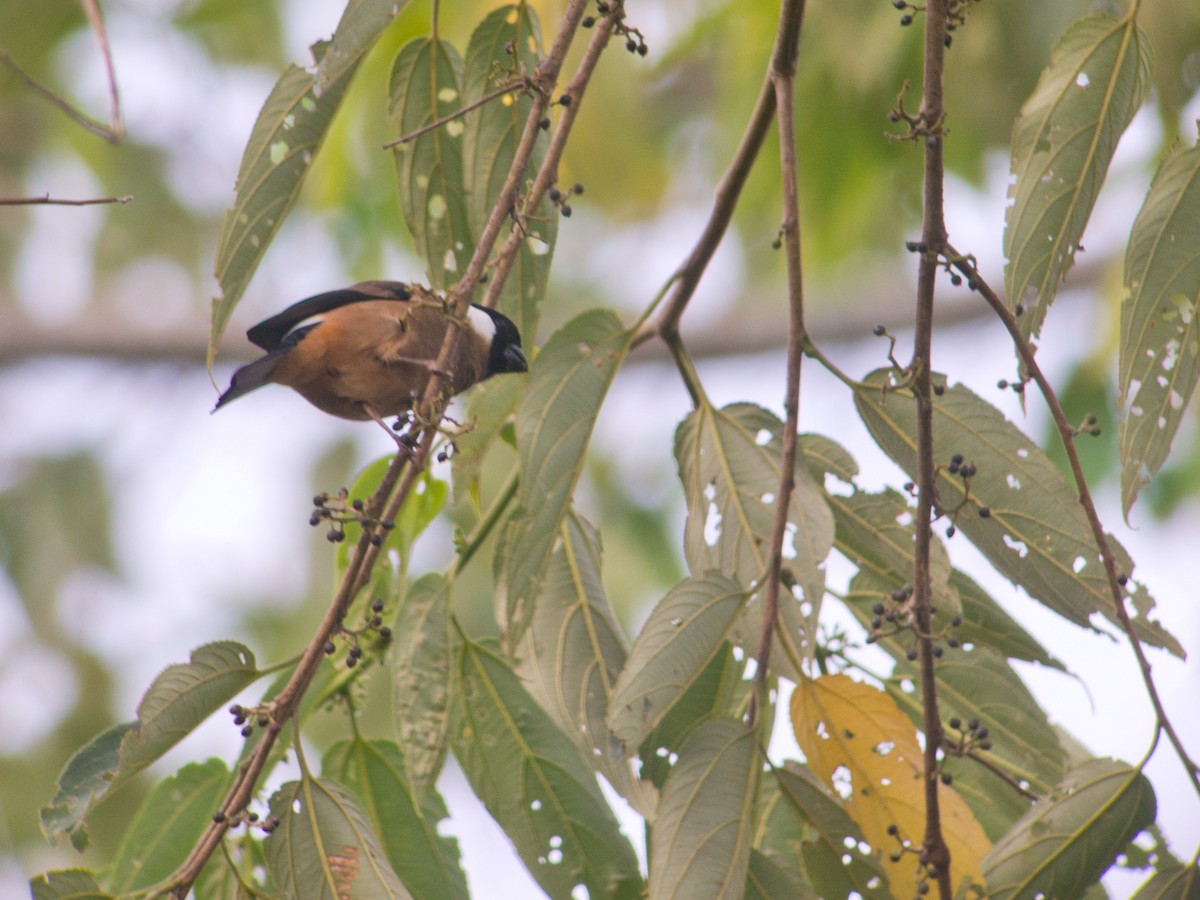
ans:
x=248 y=378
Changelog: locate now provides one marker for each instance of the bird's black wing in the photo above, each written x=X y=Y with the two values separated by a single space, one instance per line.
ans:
x=270 y=332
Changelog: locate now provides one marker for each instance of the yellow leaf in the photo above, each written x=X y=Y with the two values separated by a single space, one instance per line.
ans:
x=859 y=742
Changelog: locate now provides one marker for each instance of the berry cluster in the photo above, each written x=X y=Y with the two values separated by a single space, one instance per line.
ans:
x=559 y=198
x=339 y=509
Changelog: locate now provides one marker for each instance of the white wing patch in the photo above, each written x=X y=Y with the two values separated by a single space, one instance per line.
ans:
x=305 y=323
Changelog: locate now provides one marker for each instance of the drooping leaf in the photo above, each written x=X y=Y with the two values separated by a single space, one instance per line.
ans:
x=325 y=847
x=1175 y=883
x=534 y=782
x=768 y=878
x=506 y=46
x=567 y=384
x=422 y=667
x=406 y=823
x=169 y=822
x=426 y=87
x=684 y=633
x=1062 y=143
x=834 y=859
x=854 y=730
x=987 y=624
x=285 y=139
x=702 y=832
x=574 y=651
x=1035 y=531
x=1160 y=320
x=180 y=698
x=1067 y=841
x=67 y=884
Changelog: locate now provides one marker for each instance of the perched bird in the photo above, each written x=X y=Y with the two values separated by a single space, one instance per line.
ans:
x=367 y=351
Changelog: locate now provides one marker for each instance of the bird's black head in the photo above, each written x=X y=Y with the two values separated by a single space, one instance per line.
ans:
x=505 y=354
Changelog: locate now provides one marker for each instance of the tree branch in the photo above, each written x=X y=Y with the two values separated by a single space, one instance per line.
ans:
x=47 y=200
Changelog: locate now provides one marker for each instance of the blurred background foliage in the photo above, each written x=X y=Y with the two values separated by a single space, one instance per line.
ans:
x=103 y=309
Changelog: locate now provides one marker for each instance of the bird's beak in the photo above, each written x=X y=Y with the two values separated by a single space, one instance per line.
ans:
x=514 y=360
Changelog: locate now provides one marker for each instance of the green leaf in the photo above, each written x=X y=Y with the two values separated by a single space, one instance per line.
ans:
x=683 y=635
x=420 y=508
x=534 y=782
x=1160 y=320
x=67 y=884
x=219 y=880
x=986 y=624
x=1062 y=144
x=1176 y=883
x=180 y=698
x=574 y=651
x=767 y=879
x=1035 y=532
x=567 y=384
x=426 y=862
x=168 y=824
x=1067 y=841
x=702 y=831
x=832 y=850
x=324 y=847
x=283 y=143
x=421 y=663
x=427 y=86
x=506 y=45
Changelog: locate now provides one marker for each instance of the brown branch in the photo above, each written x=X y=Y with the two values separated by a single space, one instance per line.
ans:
x=1067 y=434
x=725 y=201
x=110 y=134
x=96 y=21
x=47 y=200
x=783 y=78
x=935 y=855
x=457 y=114
x=404 y=469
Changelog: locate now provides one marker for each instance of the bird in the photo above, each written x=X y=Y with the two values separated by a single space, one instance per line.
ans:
x=367 y=351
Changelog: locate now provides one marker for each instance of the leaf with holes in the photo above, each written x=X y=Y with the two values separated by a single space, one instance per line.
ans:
x=702 y=832
x=567 y=385
x=407 y=823
x=858 y=742
x=574 y=650
x=427 y=86
x=1035 y=531
x=534 y=782
x=285 y=139
x=1068 y=840
x=834 y=856
x=505 y=49
x=325 y=847
x=1062 y=144
x=684 y=633
x=1160 y=320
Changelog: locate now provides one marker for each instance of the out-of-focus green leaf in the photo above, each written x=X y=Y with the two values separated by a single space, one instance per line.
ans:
x=427 y=86
x=1160 y=320
x=767 y=879
x=325 y=847
x=1035 y=531
x=67 y=884
x=534 y=782
x=1062 y=143
x=1067 y=841
x=567 y=384
x=180 y=698
x=702 y=832
x=421 y=663
x=170 y=821
x=426 y=862
x=219 y=880
x=574 y=651
x=1178 y=883
x=506 y=46
x=833 y=857
x=286 y=137
x=417 y=513
x=683 y=634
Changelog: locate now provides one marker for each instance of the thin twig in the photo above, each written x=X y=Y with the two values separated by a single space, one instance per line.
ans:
x=507 y=88
x=405 y=468
x=1007 y=778
x=783 y=78
x=1066 y=432
x=47 y=200
x=96 y=20
x=110 y=134
x=935 y=855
